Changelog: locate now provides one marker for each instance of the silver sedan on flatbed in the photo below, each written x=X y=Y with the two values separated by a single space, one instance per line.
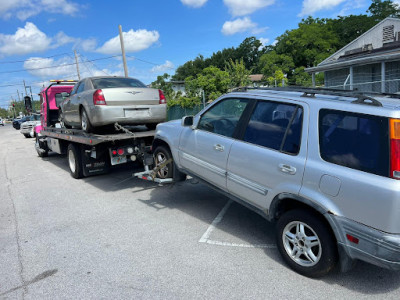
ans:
x=101 y=101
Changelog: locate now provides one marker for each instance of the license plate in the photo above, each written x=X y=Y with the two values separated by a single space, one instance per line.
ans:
x=137 y=113
x=118 y=160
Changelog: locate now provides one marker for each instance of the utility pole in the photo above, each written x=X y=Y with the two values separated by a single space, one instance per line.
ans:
x=19 y=99
x=25 y=89
x=33 y=105
x=121 y=38
x=77 y=65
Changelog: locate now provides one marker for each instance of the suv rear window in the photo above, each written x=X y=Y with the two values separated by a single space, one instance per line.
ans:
x=107 y=83
x=353 y=140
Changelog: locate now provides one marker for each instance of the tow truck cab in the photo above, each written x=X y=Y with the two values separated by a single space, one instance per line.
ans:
x=50 y=100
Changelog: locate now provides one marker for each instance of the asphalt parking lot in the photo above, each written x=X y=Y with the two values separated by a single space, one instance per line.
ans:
x=117 y=237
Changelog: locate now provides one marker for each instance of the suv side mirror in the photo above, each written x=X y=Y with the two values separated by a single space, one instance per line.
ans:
x=187 y=121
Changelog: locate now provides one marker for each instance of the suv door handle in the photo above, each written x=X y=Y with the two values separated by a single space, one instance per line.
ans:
x=219 y=147
x=287 y=169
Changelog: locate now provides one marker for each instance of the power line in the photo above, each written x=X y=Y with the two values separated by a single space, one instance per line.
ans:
x=63 y=65
x=42 y=58
x=149 y=62
x=93 y=64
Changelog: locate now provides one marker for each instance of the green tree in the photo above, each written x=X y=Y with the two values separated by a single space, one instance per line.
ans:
x=238 y=73
x=212 y=80
x=349 y=28
x=249 y=51
x=219 y=59
x=277 y=79
x=190 y=68
x=271 y=62
x=4 y=113
x=380 y=10
x=309 y=44
x=165 y=85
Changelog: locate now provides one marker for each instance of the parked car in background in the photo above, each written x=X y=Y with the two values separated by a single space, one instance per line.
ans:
x=323 y=165
x=1 y=122
x=101 y=101
x=17 y=122
x=27 y=128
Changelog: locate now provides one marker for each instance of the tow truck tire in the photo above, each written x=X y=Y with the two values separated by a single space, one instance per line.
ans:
x=43 y=153
x=162 y=154
x=74 y=161
x=27 y=136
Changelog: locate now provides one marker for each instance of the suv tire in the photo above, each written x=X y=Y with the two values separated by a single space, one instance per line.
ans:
x=161 y=155
x=306 y=243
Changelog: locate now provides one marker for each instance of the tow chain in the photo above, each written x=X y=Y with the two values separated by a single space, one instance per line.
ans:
x=119 y=127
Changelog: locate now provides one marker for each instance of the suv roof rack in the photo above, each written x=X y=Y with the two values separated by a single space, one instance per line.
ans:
x=362 y=97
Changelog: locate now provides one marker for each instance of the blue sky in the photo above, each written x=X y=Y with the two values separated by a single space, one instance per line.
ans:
x=38 y=37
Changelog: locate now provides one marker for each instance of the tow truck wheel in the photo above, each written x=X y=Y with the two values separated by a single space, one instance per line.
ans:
x=74 y=161
x=41 y=152
x=161 y=155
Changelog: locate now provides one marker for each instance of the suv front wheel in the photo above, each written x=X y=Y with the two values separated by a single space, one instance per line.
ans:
x=306 y=243
x=166 y=167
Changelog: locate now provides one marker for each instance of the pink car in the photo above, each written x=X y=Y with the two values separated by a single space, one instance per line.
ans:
x=50 y=100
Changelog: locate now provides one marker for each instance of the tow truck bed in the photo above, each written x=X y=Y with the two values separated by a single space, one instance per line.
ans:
x=78 y=136
x=91 y=154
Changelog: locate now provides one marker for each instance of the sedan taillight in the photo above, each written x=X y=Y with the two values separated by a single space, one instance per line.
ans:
x=98 y=98
x=162 y=97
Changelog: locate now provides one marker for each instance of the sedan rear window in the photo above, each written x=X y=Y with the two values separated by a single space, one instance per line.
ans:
x=107 y=83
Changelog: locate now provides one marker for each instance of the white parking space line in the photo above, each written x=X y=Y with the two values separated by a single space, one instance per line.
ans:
x=206 y=236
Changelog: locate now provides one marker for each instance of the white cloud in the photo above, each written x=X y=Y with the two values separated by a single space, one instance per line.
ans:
x=241 y=25
x=312 y=6
x=65 y=68
x=25 y=40
x=31 y=39
x=23 y=9
x=45 y=67
x=88 y=45
x=164 y=67
x=246 y=7
x=134 y=41
x=264 y=41
x=194 y=3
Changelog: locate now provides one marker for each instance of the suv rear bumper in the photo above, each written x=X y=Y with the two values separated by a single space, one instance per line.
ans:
x=374 y=246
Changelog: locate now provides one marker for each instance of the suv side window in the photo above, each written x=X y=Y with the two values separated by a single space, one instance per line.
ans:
x=81 y=87
x=354 y=140
x=223 y=117
x=276 y=126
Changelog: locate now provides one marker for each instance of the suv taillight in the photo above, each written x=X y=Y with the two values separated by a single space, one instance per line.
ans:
x=162 y=97
x=98 y=98
x=395 y=148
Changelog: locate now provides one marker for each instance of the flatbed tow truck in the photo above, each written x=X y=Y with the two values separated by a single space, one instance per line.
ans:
x=91 y=154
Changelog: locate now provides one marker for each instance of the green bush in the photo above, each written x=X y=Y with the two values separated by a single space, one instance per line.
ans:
x=185 y=102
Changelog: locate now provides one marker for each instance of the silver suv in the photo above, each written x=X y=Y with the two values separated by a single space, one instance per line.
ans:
x=324 y=165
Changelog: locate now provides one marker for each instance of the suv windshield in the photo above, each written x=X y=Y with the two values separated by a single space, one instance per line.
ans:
x=106 y=83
